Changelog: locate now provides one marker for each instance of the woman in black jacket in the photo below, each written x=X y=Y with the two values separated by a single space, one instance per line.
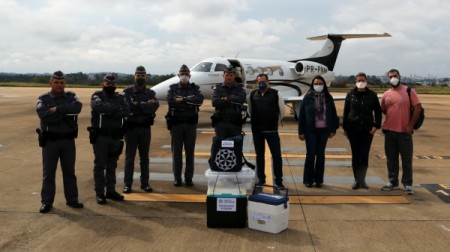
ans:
x=317 y=122
x=362 y=118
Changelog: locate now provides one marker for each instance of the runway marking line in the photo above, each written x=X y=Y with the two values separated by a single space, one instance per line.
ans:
x=293 y=199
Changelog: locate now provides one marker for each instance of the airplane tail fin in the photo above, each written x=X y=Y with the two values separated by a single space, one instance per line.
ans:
x=328 y=54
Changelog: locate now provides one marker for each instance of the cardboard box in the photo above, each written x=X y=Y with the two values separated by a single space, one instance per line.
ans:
x=268 y=212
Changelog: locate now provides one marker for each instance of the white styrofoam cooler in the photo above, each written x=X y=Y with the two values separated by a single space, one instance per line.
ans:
x=244 y=179
x=268 y=212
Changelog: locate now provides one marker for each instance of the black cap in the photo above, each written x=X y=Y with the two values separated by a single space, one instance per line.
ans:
x=229 y=69
x=58 y=75
x=140 y=70
x=184 y=68
x=110 y=77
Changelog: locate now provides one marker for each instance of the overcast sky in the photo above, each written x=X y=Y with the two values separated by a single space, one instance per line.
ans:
x=116 y=36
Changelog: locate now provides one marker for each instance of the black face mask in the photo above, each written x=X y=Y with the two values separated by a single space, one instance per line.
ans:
x=140 y=82
x=109 y=90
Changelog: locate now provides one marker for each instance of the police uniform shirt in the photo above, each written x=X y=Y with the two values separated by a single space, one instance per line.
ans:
x=64 y=120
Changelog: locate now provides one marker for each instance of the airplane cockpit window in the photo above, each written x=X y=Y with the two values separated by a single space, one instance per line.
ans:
x=202 y=67
x=219 y=67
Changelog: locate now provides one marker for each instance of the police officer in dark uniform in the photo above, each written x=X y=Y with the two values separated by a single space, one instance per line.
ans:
x=109 y=111
x=228 y=100
x=143 y=105
x=58 y=112
x=184 y=99
x=266 y=108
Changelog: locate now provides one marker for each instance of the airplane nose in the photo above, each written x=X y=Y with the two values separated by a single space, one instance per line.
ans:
x=162 y=88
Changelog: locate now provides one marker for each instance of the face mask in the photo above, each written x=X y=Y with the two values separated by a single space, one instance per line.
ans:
x=361 y=84
x=140 y=82
x=318 y=88
x=262 y=86
x=109 y=90
x=184 y=79
x=394 y=81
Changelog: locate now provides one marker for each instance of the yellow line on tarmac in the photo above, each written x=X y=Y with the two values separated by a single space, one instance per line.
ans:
x=293 y=199
x=162 y=197
x=288 y=155
x=353 y=199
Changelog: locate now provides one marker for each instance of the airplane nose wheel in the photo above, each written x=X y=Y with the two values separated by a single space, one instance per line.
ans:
x=293 y=111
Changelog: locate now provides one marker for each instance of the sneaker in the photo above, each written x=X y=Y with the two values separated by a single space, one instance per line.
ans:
x=409 y=190
x=389 y=187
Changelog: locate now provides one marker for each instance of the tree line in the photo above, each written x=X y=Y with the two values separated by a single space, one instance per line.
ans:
x=81 y=78
x=95 y=79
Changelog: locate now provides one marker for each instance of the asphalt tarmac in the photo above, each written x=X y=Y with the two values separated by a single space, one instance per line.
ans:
x=331 y=218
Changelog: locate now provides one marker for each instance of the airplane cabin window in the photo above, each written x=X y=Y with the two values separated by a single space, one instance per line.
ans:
x=280 y=72
x=219 y=67
x=269 y=71
x=202 y=67
x=260 y=70
x=250 y=71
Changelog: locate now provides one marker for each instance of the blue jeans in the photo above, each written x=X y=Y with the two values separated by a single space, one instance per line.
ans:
x=395 y=144
x=316 y=141
x=273 y=140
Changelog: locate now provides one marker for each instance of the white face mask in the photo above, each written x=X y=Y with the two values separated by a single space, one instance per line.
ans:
x=184 y=79
x=361 y=84
x=394 y=81
x=318 y=88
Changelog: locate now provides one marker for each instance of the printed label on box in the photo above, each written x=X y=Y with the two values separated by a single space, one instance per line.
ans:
x=227 y=144
x=226 y=204
x=262 y=218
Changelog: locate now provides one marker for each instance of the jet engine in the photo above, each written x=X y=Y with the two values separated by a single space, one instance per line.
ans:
x=309 y=68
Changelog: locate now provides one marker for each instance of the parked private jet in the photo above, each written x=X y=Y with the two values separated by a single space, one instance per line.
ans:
x=291 y=78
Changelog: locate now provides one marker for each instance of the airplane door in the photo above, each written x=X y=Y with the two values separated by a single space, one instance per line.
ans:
x=239 y=70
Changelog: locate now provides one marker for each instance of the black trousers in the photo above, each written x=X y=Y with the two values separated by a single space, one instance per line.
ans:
x=360 y=142
x=183 y=134
x=107 y=151
x=63 y=150
x=273 y=140
x=137 y=138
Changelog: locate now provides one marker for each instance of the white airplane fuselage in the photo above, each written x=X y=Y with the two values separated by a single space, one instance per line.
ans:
x=291 y=78
x=282 y=76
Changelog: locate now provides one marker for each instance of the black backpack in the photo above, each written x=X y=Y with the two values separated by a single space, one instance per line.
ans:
x=421 y=118
x=227 y=155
